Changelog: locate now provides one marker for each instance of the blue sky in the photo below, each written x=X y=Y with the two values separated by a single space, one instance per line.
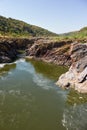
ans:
x=55 y=15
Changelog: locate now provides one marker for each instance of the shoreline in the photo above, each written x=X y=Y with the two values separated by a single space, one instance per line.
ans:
x=64 y=53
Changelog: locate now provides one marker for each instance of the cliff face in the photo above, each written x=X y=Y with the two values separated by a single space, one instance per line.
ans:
x=64 y=53
x=8 y=53
x=45 y=49
x=9 y=48
x=76 y=77
x=51 y=51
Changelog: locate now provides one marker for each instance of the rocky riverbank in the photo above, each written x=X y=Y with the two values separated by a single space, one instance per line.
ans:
x=9 y=48
x=69 y=53
x=51 y=51
x=76 y=77
x=65 y=52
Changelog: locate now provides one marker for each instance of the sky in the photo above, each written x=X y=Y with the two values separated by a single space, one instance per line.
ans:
x=58 y=16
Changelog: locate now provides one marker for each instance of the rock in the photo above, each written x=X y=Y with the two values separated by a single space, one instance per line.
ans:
x=82 y=76
x=76 y=77
x=4 y=59
x=9 y=48
x=81 y=87
x=7 y=52
x=81 y=64
x=78 y=51
x=50 y=50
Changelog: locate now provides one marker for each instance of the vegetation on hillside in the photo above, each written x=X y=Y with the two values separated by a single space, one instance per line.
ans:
x=17 y=28
x=80 y=35
x=12 y=27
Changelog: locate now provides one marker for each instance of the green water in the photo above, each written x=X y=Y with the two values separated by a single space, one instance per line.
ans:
x=30 y=100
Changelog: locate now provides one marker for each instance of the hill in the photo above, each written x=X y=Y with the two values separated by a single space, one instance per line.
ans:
x=17 y=28
x=13 y=27
x=75 y=35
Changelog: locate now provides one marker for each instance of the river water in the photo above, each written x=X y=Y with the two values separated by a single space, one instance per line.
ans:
x=30 y=100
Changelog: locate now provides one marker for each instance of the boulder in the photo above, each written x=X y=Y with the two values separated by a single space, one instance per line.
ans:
x=76 y=77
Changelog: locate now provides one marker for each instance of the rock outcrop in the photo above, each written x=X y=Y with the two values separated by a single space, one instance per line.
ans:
x=8 y=53
x=51 y=51
x=76 y=77
x=9 y=48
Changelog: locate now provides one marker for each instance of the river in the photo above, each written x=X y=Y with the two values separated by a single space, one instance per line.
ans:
x=30 y=100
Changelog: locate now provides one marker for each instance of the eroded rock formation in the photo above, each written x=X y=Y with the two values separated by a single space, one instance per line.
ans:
x=76 y=77
x=51 y=51
x=9 y=48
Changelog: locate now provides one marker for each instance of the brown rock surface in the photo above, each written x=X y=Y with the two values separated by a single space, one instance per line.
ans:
x=9 y=48
x=77 y=75
x=51 y=51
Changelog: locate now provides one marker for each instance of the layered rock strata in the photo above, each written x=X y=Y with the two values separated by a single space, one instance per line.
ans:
x=51 y=51
x=9 y=48
x=76 y=77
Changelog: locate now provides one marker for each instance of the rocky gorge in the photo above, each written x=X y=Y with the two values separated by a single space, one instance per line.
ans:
x=69 y=53
x=66 y=52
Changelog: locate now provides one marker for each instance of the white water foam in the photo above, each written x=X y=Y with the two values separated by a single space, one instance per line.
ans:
x=2 y=65
x=20 y=60
x=2 y=76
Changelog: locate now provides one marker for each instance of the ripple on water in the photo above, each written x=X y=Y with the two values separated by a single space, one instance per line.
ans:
x=75 y=117
x=20 y=108
x=39 y=79
x=20 y=95
x=42 y=81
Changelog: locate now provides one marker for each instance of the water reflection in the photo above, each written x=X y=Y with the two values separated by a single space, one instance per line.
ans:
x=75 y=113
x=49 y=70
